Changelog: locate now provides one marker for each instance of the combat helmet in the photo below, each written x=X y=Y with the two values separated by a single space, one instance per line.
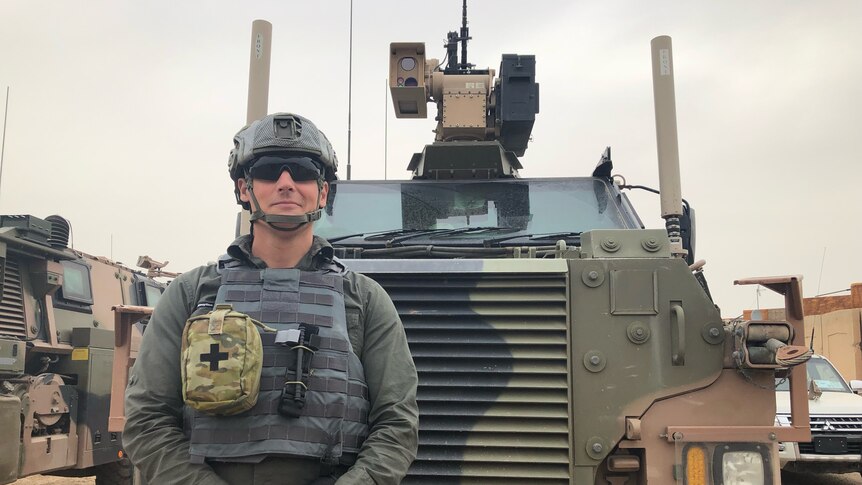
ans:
x=280 y=134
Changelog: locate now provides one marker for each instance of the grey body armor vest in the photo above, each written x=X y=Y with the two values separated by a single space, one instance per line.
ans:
x=329 y=419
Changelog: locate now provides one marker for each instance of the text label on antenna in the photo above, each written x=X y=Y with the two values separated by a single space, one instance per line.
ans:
x=664 y=61
x=258 y=46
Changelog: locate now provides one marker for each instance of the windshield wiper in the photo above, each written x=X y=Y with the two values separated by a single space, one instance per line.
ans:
x=555 y=235
x=534 y=237
x=465 y=230
x=442 y=233
x=372 y=236
x=395 y=236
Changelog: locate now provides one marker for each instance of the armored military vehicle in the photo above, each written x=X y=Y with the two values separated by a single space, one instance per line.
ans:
x=557 y=340
x=56 y=351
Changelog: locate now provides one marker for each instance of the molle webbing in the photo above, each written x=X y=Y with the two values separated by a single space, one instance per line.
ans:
x=331 y=422
x=260 y=433
x=280 y=301
x=315 y=410
x=274 y=357
x=319 y=361
x=321 y=384
x=258 y=276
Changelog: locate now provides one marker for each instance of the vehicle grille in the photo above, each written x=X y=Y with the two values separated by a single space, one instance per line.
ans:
x=836 y=424
x=491 y=352
x=12 y=302
x=849 y=426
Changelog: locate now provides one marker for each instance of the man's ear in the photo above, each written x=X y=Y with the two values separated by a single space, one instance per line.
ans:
x=324 y=192
x=243 y=190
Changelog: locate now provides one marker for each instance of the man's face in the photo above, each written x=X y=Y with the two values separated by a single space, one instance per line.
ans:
x=284 y=196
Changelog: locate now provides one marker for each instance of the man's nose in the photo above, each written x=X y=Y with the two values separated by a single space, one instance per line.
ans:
x=285 y=181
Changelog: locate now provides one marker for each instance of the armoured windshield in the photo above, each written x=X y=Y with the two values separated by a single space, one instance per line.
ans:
x=511 y=207
x=823 y=374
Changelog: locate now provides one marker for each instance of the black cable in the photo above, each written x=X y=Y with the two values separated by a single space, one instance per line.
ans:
x=441 y=63
x=650 y=189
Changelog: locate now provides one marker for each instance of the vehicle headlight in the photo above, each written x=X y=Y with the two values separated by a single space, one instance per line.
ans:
x=782 y=420
x=725 y=464
x=742 y=468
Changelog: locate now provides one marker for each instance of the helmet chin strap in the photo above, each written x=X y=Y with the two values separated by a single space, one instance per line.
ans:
x=272 y=219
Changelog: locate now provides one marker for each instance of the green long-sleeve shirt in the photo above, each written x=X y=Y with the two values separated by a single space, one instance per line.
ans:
x=154 y=437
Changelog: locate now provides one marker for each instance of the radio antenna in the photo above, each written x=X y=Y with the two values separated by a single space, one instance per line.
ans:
x=349 y=88
x=3 y=143
x=465 y=36
x=822 y=261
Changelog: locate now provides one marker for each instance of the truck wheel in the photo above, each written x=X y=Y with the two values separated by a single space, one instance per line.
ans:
x=116 y=473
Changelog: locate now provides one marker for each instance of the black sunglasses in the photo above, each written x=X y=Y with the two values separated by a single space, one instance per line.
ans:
x=301 y=169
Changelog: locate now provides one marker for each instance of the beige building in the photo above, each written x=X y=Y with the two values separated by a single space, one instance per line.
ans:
x=836 y=322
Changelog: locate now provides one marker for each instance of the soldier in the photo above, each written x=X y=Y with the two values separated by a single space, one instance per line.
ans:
x=337 y=385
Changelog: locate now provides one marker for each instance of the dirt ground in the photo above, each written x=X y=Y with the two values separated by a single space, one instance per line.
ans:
x=47 y=480
x=786 y=479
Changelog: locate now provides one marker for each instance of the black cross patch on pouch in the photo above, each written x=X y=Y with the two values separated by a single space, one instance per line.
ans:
x=214 y=357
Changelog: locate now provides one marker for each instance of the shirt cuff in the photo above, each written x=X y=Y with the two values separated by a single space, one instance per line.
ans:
x=355 y=476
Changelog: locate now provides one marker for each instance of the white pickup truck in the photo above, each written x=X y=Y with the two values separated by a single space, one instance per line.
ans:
x=836 y=422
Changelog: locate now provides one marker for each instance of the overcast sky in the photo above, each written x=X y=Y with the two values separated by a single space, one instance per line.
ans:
x=121 y=114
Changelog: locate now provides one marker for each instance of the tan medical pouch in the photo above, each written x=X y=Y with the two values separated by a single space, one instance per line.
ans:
x=221 y=361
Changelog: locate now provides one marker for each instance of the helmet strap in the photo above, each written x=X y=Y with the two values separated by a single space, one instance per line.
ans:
x=272 y=219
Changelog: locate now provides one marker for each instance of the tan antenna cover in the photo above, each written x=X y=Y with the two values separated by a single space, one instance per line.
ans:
x=258 y=88
x=665 y=127
x=258 y=70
